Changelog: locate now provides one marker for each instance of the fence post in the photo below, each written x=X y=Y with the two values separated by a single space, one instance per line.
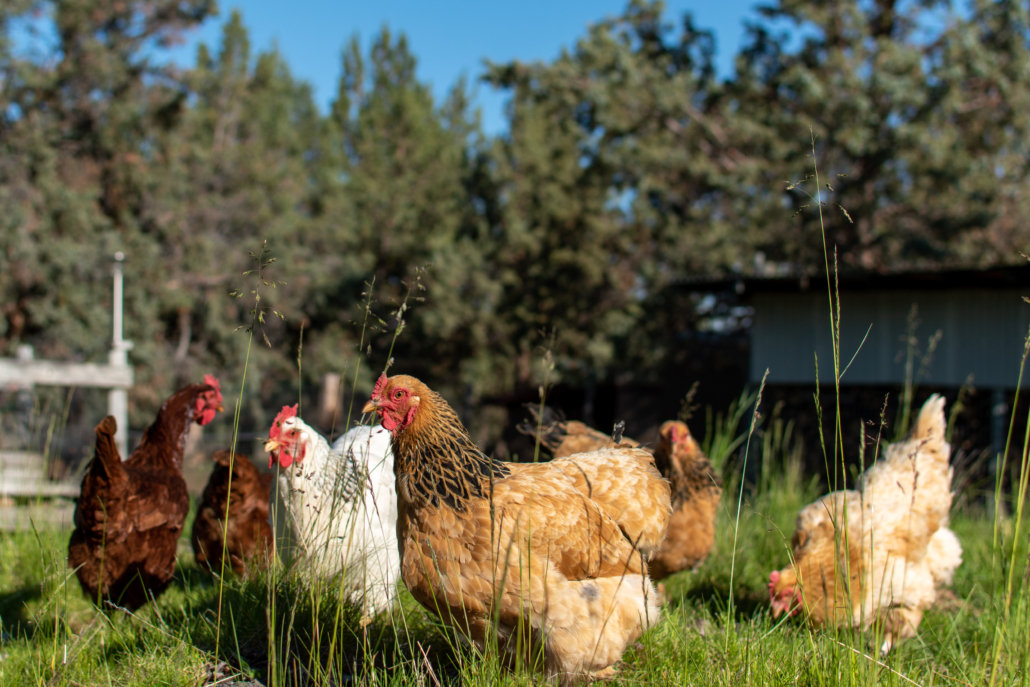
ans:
x=118 y=397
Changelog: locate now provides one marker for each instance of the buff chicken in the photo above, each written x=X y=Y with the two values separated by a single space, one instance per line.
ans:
x=565 y=437
x=696 y=487
x=696 y=490
x=548 y=559
x=877 y=555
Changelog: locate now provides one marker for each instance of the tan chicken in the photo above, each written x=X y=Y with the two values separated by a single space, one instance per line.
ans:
x=565 y=437
x=878 y=555
x=548 y=558
x=696 y=488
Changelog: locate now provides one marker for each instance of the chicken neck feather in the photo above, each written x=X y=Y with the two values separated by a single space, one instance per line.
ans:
x=437 y=461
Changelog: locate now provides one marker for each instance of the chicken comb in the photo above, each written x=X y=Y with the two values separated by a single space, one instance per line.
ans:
x=209 y=402
x=378 y=388
x=285 y=414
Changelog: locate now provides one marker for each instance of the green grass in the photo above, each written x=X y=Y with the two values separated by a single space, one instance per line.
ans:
x=53 y=636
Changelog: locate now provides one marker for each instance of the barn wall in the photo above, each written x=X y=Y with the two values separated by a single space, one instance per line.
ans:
x=983 y=334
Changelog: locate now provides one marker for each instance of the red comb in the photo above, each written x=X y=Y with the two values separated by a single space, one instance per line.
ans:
x=286 y=413
x=209 y=402
x=378 y=389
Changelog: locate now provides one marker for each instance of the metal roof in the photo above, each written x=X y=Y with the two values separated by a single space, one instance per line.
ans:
x=999 y=277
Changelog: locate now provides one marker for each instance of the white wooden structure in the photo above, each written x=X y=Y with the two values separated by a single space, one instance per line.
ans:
x=980 y=314
x=24 y=371
x=982 y=335
x=22 y=474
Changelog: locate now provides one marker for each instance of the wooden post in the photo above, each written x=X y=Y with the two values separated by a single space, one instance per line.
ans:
x=999 y=413
x=118 y=397
x=328 y=400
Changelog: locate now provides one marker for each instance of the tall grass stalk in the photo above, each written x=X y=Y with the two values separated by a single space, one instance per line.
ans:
x=263 y=261
x=740 y=499
x=841 y=542
x=1024 y=476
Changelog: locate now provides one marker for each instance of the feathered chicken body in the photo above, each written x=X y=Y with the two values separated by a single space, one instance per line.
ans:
x=878 y=554
x=235 y=487
x=566 y=437
x=546 y=557
x=335 y=507
x=129 y=515
x=696 y=488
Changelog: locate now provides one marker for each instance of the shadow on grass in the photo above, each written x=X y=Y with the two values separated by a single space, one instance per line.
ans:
x=14 y=614
x=712 y=595
x=289 y=627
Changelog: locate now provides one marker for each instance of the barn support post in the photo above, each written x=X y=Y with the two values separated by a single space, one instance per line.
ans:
x=999 y=411
x=118 y=397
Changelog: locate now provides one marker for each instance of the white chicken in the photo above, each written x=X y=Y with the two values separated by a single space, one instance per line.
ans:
x=334 y=508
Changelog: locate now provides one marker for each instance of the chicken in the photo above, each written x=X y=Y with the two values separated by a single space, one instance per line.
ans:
x=549 y=559
x=564 y=438
x=335 y=507
x=877 y=555
x=129 y=515
x=248 y=535
x=696 y=490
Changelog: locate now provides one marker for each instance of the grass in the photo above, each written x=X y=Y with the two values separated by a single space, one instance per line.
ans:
x=52 y=635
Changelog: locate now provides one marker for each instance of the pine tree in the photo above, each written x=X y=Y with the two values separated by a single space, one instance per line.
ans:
x=393 y=202
x=604 y=176
x=927 y=125
x=77 y=130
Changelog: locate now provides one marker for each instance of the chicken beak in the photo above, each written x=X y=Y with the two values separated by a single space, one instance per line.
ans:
x=271 y=445
x=370 y=407
x=219 y=408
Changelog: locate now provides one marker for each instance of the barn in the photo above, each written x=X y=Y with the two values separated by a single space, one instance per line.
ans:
x=981 y=317
x=941 y=329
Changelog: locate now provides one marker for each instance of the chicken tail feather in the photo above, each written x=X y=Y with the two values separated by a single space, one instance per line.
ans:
x=930 y=424
x=548 y=424
x=107 y=450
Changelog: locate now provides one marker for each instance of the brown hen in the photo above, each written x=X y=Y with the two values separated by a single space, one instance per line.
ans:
x=129 y=515
x=248 y=534
x=548 y=558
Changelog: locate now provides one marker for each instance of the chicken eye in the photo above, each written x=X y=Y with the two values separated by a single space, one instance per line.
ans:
x=399 y=395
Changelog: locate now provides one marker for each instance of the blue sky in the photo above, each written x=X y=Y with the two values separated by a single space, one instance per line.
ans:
x=449 y=37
